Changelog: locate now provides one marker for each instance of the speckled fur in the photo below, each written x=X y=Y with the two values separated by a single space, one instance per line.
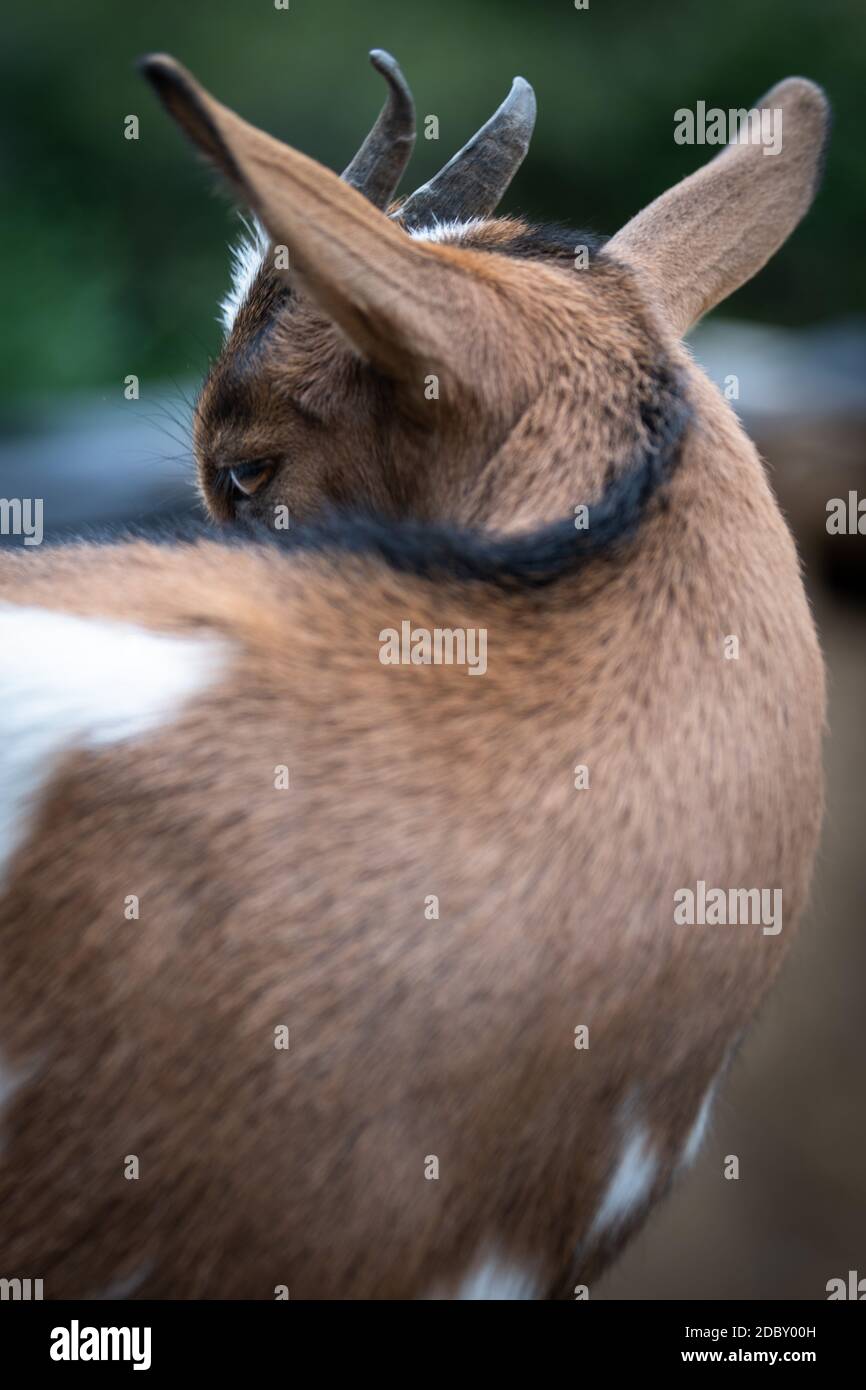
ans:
x=409 y=1037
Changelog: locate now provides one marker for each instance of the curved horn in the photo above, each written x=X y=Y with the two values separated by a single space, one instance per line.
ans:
x=472 y=183
x=378 y=166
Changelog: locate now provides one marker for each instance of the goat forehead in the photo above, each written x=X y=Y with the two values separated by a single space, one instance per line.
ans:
x=517 y=239
x=277 y=335
x=248 y=259
x=447 y=231
x=256 y=292
x=253 y=402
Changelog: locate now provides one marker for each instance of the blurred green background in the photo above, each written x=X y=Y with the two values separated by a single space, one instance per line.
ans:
x=115 y=251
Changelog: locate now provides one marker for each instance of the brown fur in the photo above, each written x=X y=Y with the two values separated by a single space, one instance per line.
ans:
x=409 y=1037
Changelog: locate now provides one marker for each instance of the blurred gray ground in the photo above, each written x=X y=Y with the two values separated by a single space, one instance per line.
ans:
x=102 y=461
x=794 y=1108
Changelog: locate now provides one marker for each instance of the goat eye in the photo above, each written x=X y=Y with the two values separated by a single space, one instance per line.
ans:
x=249 y=477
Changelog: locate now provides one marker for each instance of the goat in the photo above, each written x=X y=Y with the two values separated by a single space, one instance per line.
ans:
x=355 y=979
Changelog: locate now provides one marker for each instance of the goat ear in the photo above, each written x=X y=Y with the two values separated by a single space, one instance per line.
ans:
x=393 y=297
x=706 y=236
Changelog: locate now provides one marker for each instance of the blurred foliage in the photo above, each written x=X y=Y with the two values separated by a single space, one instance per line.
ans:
x=115 y=251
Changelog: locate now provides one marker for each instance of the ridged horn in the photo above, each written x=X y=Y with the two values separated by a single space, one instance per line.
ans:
x=378 y=166
x=472 y=183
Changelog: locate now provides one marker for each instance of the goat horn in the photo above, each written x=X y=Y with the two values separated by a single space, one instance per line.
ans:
x=378 y=166
x=472 y=183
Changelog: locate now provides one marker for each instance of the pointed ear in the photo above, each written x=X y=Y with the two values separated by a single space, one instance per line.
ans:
x=394 y=298
x=705 y=237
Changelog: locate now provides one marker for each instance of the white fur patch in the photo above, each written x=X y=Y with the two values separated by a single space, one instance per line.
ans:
x=698 y=1131
x=70 y=682
x=11 y=1078
x=247 y=259
x=631 y=1184
x=11 y=1081
x=494 y=1279
x=446 y=231
x=121 y=1289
